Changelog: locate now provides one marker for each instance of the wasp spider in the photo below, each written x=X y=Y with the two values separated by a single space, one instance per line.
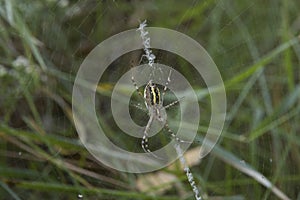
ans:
x=154 y=103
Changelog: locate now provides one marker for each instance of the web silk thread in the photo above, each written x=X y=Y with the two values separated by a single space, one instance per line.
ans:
x=188 y=173
x=151 y=57
x=146 y=43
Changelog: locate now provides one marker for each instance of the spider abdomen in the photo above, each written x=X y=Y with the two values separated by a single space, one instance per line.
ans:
x=152 y=95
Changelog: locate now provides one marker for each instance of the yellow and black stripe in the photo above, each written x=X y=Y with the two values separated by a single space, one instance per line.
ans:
x=152 y=94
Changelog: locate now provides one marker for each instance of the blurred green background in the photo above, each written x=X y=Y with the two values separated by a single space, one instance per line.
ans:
x=255 y=45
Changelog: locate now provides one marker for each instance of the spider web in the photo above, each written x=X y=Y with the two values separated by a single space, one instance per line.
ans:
x=71 y=29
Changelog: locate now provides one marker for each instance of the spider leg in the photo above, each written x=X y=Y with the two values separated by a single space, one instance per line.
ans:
x=177 y=139
x=142 y=58
x=145 y=145
x=166 y=85
x=136 y=87
x=145 y=136
x=173 y=103
x=165 y=89
x=141 y=108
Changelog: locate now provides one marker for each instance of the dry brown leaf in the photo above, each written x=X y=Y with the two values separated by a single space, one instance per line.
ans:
x=161 y=179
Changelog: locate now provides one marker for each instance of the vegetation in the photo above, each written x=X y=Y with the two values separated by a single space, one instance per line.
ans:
x=255 y=45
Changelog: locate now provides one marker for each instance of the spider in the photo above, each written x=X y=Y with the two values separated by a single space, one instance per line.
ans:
x=154 y=103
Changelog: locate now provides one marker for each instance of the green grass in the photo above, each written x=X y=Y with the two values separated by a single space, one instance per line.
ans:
x=255 y=45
